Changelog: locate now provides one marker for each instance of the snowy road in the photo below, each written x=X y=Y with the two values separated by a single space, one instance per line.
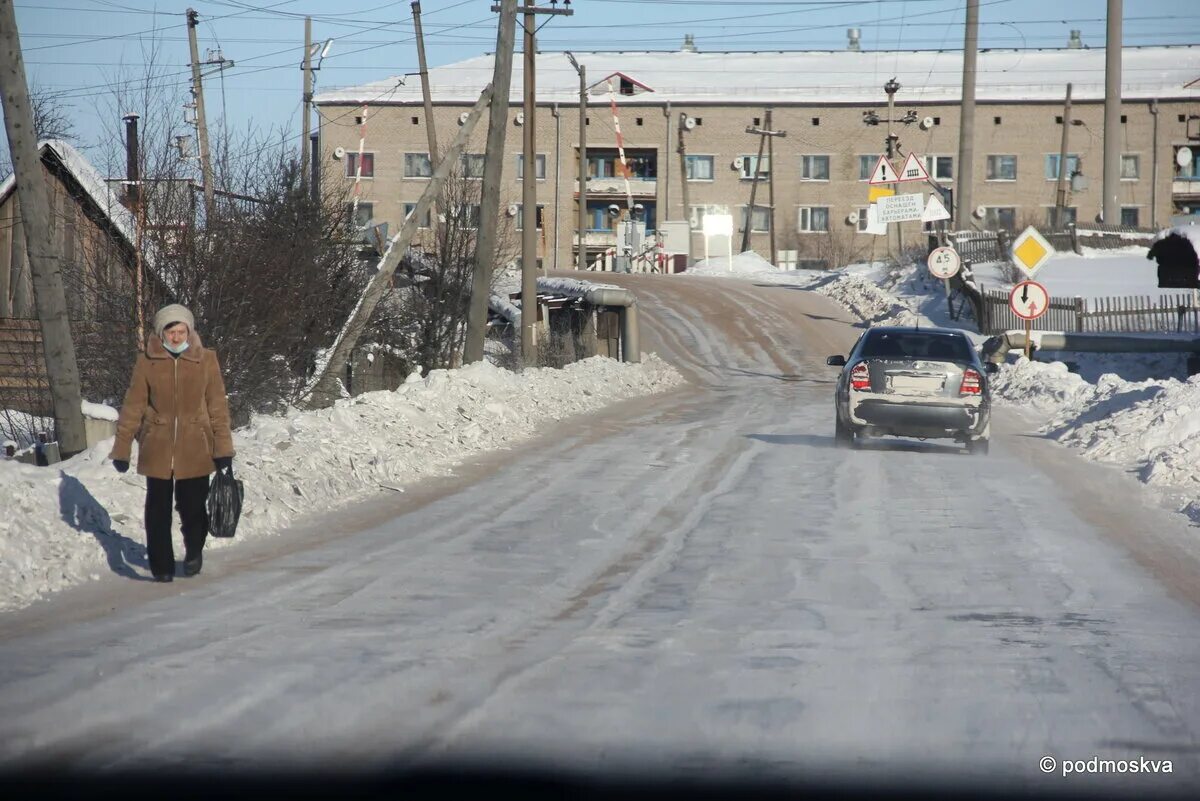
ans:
x=700 y=576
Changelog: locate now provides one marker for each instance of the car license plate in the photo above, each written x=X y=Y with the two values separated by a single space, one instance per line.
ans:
x=916 y=384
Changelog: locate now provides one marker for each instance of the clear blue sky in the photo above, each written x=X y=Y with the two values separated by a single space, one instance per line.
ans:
x=81 y=47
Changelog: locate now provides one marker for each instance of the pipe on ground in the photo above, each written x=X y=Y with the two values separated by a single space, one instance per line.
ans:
x=996 y=347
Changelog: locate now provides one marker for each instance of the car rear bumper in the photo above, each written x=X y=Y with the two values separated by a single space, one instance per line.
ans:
x=919 y=418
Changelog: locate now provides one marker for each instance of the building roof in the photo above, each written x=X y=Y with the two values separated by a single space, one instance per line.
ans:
x=824 y=77
x=89 y=179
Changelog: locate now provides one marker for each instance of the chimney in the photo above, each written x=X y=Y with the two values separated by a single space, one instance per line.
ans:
x=132 y=173
x=1075 y=43
x=853 y=34
x=689 y=44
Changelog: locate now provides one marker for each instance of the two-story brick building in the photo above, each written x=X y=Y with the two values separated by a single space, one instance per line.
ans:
x=833 y=108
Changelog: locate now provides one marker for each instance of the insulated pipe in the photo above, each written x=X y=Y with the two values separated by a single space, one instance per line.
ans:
x=996 y=347
x=624 y=300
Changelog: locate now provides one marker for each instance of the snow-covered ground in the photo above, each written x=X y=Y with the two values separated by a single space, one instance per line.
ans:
x=81 y=519
x=1140 y=412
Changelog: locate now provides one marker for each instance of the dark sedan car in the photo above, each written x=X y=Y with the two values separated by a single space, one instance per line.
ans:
x=927 y=383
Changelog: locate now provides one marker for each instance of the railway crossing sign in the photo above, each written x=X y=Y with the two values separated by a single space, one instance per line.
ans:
x=1030 y=251
x=914 y=169
x=944 y=262
x=1029 y=300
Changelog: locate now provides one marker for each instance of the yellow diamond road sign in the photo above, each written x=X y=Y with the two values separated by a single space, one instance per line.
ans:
x=1030 y=251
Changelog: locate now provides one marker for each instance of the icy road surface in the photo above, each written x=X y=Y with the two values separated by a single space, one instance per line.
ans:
x=694 y=579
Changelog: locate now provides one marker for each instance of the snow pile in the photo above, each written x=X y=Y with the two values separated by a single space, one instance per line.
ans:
x=99 y=411
x=744 y=264
x=80 y=519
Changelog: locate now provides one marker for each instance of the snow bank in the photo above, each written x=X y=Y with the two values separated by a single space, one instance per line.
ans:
x=99 y=411
x=747 y=263
x=81 y=519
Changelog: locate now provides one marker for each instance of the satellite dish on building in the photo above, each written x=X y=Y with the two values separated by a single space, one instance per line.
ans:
x=689 y=122
x=980 y=212
x=1183 y=156
x=926 y=123
x=462 y=118
x=339 y=152
x=520 y=118
x=512 y=209
x=852 y=218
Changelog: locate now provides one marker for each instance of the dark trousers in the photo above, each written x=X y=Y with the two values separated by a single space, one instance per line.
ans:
x=190 y=496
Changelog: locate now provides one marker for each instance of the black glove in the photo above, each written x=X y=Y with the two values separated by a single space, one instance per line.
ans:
x=121 y=465
x=224 y=463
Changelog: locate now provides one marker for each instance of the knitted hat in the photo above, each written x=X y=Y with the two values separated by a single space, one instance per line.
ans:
x=169 y=315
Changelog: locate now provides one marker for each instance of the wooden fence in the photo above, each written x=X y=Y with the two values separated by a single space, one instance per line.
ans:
x=1136 y=314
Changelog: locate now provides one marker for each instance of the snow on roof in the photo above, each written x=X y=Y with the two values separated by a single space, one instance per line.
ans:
x=930 y=76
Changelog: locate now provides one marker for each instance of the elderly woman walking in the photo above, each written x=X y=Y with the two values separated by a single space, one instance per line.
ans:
x=176 y=408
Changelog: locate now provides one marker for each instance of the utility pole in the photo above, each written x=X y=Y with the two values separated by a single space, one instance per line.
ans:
x=966 y=126
x=308 y=96
x=201 y=120
x=764 y=135
x=430 y=126
x=529 y=304
x=62 y=370
x=135 y=199
x=583 y=212
x=771 y=183
x=489 y=206
x=1060 y=198
x=1111 y=208
x=683 y=178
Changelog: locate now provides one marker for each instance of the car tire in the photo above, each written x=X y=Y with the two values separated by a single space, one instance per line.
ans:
x=978 y=446
x=843 y=437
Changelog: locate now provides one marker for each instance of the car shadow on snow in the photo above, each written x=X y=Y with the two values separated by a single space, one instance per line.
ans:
x=81 y=511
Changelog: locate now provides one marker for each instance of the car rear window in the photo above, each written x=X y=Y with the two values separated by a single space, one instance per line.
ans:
x=916 y=345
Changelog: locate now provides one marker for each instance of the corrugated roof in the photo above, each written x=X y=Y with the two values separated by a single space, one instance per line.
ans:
x=930 y=76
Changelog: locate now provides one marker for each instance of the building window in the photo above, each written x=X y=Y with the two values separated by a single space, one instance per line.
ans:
x=814 y=168
x=699 y=168
x=539 y=162
x=1130 y=167
x=1002 y=168
x=1000 y=217
x=816 y=121
x=361 y=216
x=698 y=213
x=757 y=121
x=761 y=221
x=416 y=165
x=466 y=216
x=749 y=163
x=368 y=164
x=541 y=215
x=941 y=168
x=996 y=120
x=1052 y=166
x=472 y=165
x=416 y=120
x=639 y=121
x=814 y=219
x=1069 y=217
x=425 y=220
x=861 y=224
x=865 y=165
x=1129 y=216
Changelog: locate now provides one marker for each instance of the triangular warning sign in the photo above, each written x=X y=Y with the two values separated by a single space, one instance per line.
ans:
x=884 y=172
x=914 y=169
x=934 y=210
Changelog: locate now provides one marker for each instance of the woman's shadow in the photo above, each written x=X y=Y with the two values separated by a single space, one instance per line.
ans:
x=82 y=512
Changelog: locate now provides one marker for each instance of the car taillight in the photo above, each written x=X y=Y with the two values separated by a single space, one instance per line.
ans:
x=972 y=383
x=860 y=377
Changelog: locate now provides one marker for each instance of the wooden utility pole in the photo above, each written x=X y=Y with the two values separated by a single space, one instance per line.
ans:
x=306 y=124
x=683 y=179
x=62 y=370
x=583 y=211
x=771 y=184
x=201 y=120
x=764 y=135
x=427 y=97
x=529 y=196
x=1060 y=198
x=489 y=207
x=966 y=125
x=134 y=197
x=322 y=389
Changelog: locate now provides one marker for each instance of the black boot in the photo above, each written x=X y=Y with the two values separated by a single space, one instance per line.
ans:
x=164 y=577
x=192 y=565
